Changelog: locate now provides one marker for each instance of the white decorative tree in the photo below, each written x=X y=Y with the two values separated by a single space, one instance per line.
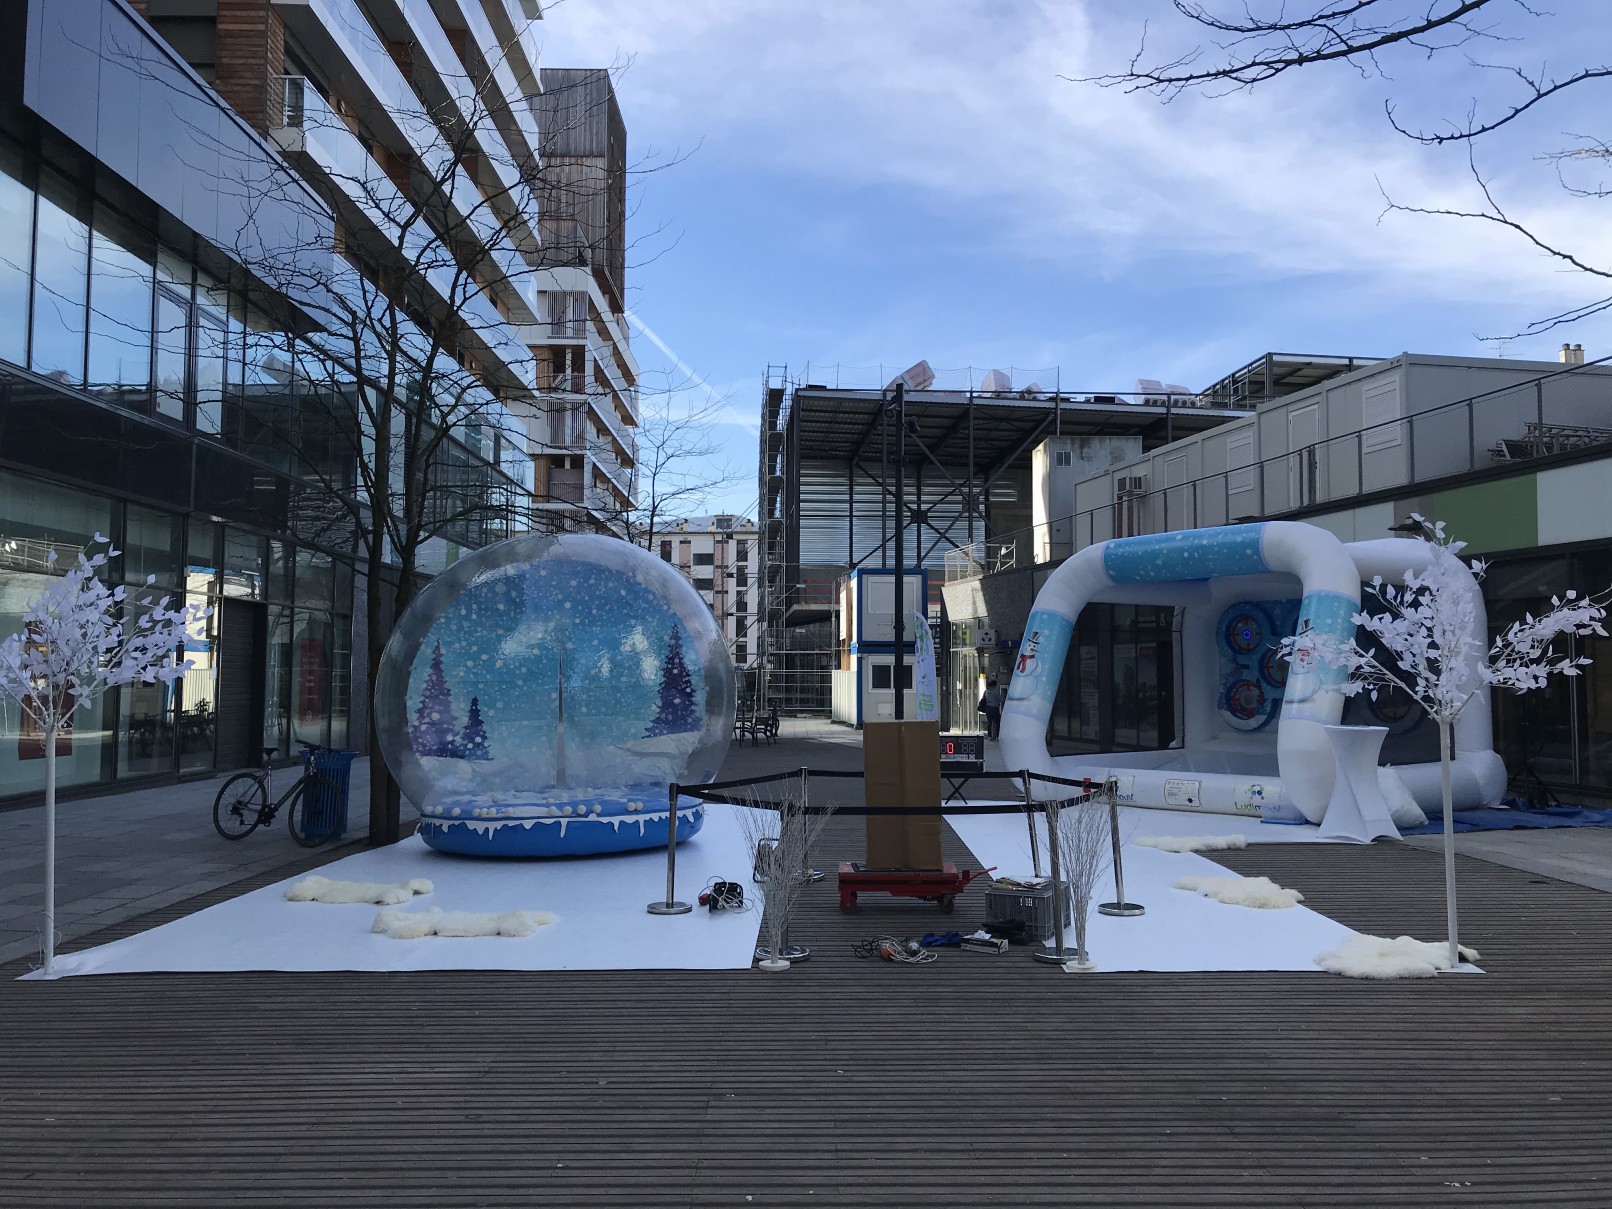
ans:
x=76 y=642
x=1433 y=652
x=1084 y=855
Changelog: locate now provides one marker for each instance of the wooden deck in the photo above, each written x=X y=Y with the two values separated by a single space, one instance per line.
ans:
x=976 y=1080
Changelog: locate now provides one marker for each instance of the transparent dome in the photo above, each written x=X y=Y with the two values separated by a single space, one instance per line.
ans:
x=538 y=696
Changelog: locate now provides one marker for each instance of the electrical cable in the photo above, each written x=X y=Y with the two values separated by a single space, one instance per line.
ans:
x=893 y=948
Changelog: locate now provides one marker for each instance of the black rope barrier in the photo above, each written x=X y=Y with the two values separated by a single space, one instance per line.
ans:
x=705 y=795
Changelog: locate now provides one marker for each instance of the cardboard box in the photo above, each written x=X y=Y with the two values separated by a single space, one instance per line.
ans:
x=901 y=767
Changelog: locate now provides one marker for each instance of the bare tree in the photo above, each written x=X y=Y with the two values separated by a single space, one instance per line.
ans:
x=376 y=345
x=678 y=463
x=1251 y=44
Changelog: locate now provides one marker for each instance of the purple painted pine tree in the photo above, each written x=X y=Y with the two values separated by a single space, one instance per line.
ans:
x=674 y=705
x=473 y=744
x=433 y=730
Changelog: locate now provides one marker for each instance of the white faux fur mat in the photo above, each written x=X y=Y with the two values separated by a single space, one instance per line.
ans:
x=1257 y=892
x=1379 y=957
x=316 y=889
x=1180 y=932
x=601 y=902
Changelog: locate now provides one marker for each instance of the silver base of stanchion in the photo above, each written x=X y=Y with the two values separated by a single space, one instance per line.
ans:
x=811 y=875
x=790 y=953
x=1053 y=957
x=773 y=967
x=1126 y=910
x=669 y=908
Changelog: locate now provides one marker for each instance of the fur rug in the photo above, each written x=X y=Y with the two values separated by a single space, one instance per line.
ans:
x=1191 y=843
x=328 y=890
x=412 y=925
x=1402 y=808
x=1379 y=957
x=1241 y=891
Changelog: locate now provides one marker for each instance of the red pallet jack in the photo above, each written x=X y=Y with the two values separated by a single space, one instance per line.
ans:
x=940 y=886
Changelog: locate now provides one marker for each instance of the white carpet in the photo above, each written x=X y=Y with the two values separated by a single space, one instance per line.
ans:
x=1181 y=931
x=599 y=901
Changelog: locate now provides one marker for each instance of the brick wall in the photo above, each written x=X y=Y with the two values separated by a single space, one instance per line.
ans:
x=250 y=57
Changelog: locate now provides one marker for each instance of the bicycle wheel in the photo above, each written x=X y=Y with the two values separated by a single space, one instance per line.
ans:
x=240 y=805
x=315 y=810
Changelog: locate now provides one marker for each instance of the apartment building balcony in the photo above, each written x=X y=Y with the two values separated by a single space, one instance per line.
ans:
x=441 y=70
x=603 y=455
x=564 y=382
x=508 y=101
x=605 y=409
x=322 y=145
x=512 y=23
x=345 y=46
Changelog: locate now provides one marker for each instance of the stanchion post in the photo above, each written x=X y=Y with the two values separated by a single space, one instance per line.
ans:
x=1029 y=821
x=1056 y=955
x=807 y=873
x=1119 y=906
x=671 y=906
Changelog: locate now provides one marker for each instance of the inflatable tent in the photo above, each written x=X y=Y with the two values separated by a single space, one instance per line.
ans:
x=1253 y=729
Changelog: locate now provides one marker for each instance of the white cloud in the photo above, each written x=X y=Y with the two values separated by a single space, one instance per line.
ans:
x=961 y=104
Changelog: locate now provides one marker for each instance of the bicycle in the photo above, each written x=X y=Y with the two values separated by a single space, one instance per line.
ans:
x=246 y=802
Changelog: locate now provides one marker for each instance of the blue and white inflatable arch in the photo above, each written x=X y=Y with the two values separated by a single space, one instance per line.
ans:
x=1251 y=739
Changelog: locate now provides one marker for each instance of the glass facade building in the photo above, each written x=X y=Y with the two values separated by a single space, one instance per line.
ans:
x=148 y=395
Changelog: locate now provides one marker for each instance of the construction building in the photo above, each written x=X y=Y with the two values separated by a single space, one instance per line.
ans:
x=971 y=492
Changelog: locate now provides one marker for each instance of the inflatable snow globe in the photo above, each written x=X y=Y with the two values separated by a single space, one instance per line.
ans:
x=537 y=698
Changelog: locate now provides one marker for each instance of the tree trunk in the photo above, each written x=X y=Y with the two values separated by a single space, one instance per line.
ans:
x=385 y=823
x=1449 y=844
x=50 y=852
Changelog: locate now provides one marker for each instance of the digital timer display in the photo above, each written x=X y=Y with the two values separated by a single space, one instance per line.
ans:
x=962 y=749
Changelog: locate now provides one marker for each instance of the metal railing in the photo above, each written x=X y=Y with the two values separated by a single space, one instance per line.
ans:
x=1506 y=426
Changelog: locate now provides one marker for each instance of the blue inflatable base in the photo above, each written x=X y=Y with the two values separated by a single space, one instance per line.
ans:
x=584 y=827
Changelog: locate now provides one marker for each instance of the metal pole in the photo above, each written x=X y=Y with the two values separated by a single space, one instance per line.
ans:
x=807 y=873
x=1055 y=955
x=671 y=906
x=900 y=406
x=1029 y=819
x=1119 y=906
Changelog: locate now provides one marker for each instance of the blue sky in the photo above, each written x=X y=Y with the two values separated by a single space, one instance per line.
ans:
x=870 y=182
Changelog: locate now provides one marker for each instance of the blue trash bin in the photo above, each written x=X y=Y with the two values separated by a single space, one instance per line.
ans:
x=337 y=767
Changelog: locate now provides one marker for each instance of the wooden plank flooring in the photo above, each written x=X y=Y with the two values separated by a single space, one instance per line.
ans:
x=974 y=1081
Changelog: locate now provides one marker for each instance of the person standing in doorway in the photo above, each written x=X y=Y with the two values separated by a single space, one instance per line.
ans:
x=993 y=698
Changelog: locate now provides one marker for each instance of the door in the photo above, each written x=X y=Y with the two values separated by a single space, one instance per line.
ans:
x=240 y=683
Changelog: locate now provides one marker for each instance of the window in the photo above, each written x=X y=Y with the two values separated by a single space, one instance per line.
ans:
x=1063 y=457
x=16 y=257
x=120 y=313
x=666 y=551
x=703 y=559
x=704 y=585
x=741 y=605
x=883 y=675
x=61 y=277
x=741 y=553
x=173 y=353
x=741 y=651
x=211 y=342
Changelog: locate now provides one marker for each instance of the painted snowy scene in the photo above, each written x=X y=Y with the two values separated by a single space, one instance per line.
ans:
x=556 y=690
